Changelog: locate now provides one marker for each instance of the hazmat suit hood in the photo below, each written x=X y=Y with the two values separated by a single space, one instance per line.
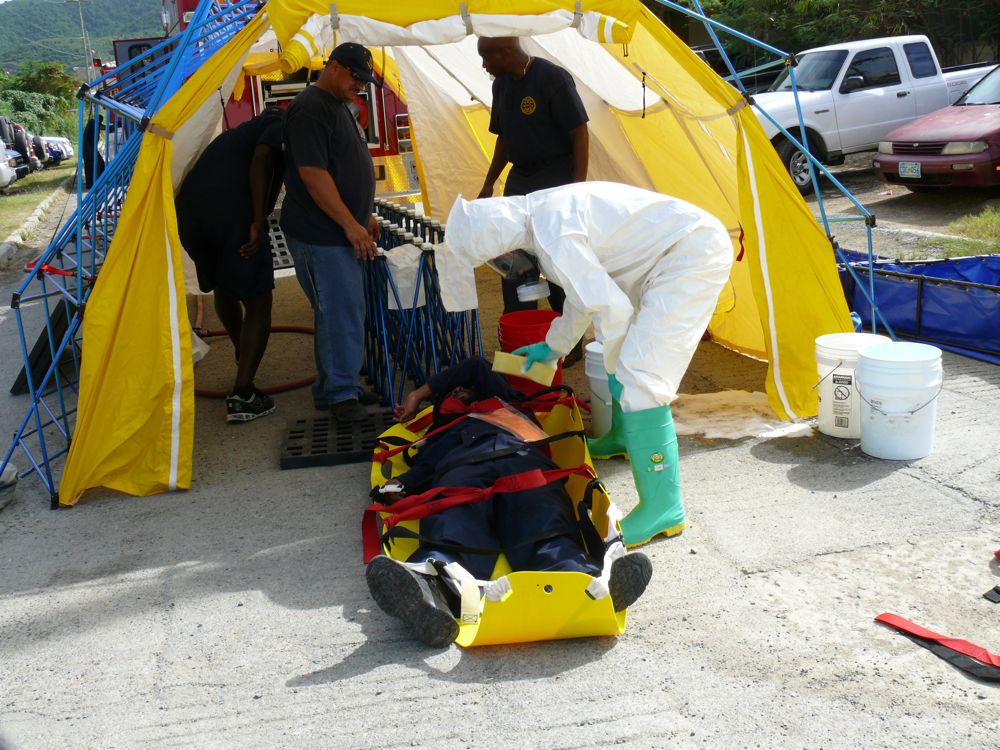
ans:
x=480 y=230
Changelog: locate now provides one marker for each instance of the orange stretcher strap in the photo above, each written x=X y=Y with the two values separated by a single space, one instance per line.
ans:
x=478 y=407
x=433 y=501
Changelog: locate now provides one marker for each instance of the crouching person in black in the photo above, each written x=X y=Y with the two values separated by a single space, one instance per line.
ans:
x=536 y=529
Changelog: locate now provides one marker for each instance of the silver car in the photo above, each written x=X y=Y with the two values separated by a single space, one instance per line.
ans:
x=8 y=171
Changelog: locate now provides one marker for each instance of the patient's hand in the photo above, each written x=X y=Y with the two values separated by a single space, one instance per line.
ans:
x=408 y=409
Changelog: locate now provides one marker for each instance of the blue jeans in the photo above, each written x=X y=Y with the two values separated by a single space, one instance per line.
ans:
x=331 y=277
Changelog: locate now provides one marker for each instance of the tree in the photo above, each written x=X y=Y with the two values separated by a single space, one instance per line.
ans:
x=961 y=30
x=45 y=78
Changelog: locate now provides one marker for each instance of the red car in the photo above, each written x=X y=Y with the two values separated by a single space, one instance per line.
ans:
x=956 y=146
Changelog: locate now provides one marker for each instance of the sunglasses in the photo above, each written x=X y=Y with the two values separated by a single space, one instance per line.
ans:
x=356 y=77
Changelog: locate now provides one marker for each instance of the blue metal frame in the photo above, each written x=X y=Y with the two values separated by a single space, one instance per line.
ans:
x=407 y=341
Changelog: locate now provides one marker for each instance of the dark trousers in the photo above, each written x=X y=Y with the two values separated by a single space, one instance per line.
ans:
x=513 y=522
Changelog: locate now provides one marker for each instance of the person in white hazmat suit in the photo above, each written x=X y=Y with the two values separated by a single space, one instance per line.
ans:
x=647 y=270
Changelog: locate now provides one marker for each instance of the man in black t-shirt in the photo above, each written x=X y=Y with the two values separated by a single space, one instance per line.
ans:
x=222 y=210
x=327 y=219
x=541 y=128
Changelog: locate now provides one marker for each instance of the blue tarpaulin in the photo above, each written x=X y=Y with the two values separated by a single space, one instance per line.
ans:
x=952 y=303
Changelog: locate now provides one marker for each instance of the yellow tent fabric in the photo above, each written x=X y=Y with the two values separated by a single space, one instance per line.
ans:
x=660 y=119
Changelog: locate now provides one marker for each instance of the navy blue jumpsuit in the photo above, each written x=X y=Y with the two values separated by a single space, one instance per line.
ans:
x=536 y=528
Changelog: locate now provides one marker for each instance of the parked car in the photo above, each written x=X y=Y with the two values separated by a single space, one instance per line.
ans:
x=53 y=154
x=38 y=148
x=8 y=168
x=22 y=145
x=63 y=144
x=955 y=146
x=7 y=131
x=21 y=166
x=852 y=95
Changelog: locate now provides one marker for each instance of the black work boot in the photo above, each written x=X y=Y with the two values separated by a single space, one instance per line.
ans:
x=629 y=577
x=416 y=599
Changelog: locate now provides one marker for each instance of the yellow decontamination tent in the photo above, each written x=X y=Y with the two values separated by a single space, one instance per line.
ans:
x=660 y=119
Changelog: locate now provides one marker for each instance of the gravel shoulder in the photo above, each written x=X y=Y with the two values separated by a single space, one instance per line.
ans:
x=907 y=224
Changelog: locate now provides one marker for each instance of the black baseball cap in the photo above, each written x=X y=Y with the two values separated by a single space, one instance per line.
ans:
x=357 y=59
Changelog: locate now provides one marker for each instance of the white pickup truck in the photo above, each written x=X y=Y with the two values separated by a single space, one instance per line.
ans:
x=853 y=94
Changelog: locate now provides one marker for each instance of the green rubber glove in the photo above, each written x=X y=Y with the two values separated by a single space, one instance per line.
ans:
x=532 y=353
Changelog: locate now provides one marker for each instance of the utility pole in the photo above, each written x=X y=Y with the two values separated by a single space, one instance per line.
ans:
x=87 y=57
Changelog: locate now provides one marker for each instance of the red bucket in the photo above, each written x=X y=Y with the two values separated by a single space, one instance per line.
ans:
x=522 y=328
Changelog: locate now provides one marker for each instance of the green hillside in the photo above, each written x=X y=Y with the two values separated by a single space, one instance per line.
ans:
x=49 y=30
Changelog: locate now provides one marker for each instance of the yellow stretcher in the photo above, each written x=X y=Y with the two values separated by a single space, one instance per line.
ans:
x=539 y=605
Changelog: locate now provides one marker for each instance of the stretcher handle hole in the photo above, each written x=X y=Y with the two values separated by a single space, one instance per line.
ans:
x=548 y=588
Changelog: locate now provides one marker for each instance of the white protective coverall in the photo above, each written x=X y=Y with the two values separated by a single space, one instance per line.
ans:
x=645 y=268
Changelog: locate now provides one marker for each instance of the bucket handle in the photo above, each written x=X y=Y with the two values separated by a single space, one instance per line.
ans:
x=827 y=375
x=901 y=413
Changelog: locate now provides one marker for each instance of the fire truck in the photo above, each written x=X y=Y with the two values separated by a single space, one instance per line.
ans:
x=380 y=111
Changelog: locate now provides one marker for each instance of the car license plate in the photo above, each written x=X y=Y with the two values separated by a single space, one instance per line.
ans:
x=909 y=169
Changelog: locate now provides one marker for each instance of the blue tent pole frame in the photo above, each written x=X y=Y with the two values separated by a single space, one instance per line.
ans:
x=126 y=97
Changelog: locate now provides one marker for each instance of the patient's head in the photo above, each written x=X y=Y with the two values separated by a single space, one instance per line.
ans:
x=464 y=394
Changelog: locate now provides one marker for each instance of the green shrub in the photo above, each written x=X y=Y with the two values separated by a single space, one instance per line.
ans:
x=41 y=114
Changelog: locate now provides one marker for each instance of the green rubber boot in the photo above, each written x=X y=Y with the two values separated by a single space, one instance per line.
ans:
x=652 y=447
x=611 y=444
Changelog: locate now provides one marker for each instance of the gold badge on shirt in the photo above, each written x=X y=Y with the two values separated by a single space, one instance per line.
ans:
x=528 y=105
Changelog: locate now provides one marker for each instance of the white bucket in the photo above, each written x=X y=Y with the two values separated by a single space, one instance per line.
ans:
x=899 y=385
x=600 y=393
x=839 y=405
x=600 y=416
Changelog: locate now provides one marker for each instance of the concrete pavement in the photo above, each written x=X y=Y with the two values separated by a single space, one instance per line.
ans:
x=236 y=614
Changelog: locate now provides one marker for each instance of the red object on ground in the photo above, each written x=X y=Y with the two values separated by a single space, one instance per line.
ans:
x=970 y=658
x=522 y=328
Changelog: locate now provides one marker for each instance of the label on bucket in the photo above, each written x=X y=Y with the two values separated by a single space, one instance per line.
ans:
x=842 y=391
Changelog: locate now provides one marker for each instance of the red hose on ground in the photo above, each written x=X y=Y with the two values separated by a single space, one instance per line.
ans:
x=271 y=389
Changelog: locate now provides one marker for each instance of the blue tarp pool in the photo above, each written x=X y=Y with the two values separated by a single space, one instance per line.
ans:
x=952 y=303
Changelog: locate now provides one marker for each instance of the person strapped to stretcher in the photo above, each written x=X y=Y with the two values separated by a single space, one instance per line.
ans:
x=483 y=438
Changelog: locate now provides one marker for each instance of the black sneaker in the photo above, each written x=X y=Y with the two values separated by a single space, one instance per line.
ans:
x=414 y=598
x=629 y=577
x=350 y=410
x=244 y=410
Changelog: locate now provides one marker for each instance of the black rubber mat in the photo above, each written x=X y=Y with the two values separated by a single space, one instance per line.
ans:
x=322 y=441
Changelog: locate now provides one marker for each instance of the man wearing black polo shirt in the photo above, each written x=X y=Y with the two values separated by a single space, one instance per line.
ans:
x=541 y=128
x=327 y=220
